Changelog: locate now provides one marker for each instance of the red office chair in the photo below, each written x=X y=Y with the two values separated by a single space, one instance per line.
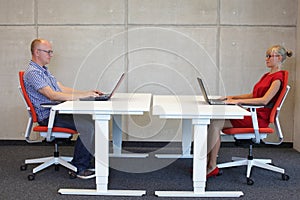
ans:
x=50 y=135
x=255 y=135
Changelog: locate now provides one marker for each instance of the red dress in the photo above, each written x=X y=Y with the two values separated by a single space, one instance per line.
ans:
x=259 y=90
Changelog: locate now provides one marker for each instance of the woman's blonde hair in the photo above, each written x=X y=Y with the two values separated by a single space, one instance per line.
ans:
x=280 y=50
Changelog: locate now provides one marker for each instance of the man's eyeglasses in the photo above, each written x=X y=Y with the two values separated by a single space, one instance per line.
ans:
x=270 y=56
x=49 y=52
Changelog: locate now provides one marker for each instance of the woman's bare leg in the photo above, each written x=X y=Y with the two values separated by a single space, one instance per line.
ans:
x=214 y=142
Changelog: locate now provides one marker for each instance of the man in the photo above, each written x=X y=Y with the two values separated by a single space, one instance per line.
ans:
x=42 y=87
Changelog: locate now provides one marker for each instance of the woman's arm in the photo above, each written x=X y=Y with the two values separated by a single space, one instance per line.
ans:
x=264 y=100
x=242 y=96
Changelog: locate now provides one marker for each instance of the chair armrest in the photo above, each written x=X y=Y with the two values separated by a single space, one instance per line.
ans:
x=49 y=105
x=252 y=109
x=49 y=137
x=251 y=106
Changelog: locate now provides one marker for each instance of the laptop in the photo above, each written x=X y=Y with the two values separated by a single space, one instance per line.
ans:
x=204 y=93
x=105 y=97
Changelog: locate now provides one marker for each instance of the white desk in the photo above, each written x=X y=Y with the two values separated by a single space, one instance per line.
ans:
x=200 y=114
x=120 y=104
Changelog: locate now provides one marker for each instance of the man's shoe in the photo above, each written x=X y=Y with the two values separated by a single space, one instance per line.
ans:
x=84 y=174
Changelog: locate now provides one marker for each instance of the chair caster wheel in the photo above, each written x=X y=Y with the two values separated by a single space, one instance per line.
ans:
x=56 y=167
x=23 y=167
x=250 y=181
x=285 y=177
x=31 y=177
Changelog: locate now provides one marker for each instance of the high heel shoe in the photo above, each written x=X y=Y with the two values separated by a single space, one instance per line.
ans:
x=215 y=172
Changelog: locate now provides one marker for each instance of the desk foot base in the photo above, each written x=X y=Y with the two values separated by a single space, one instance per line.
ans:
x=128 y=155
x=173 y=156
x=204 y=194
x=104 y=193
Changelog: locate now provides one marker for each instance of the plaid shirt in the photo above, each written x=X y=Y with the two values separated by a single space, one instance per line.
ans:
x=35 y=78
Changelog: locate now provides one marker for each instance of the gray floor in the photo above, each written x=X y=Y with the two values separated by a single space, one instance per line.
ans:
x=149 y=174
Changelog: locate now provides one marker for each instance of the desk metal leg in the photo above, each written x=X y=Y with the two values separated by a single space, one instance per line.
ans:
x=102 y=164
x=186 y=142
x=117 y=135
x=187 y=135
x=199 y=168
x=117 y=141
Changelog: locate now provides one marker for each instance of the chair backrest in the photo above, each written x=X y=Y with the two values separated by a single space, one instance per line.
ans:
x=26 y=97
x=56 y=132
x=279 y=102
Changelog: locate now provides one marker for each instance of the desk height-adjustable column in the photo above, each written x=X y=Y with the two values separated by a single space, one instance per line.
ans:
x=117 y=141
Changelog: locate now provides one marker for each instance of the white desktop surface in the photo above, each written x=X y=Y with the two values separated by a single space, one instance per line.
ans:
x=119 y=104
x=193 y=108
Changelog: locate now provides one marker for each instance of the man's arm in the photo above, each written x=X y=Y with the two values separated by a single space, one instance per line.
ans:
x=67 y=94
x=73 y=91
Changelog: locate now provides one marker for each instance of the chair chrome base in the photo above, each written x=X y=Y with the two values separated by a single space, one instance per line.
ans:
x=48 y=161
x=262 y=163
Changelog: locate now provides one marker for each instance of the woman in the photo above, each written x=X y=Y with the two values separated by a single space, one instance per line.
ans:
x=265 y=92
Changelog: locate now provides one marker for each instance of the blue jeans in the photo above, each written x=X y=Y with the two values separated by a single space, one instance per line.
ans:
x=84 y=147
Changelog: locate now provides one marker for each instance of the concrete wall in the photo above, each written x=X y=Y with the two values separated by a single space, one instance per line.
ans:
x=163 y=45
x=296 y=138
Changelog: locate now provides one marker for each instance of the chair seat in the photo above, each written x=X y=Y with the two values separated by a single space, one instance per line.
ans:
x=54 y=129
x=234 y=131
x=247 y=133
x=57 y=132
